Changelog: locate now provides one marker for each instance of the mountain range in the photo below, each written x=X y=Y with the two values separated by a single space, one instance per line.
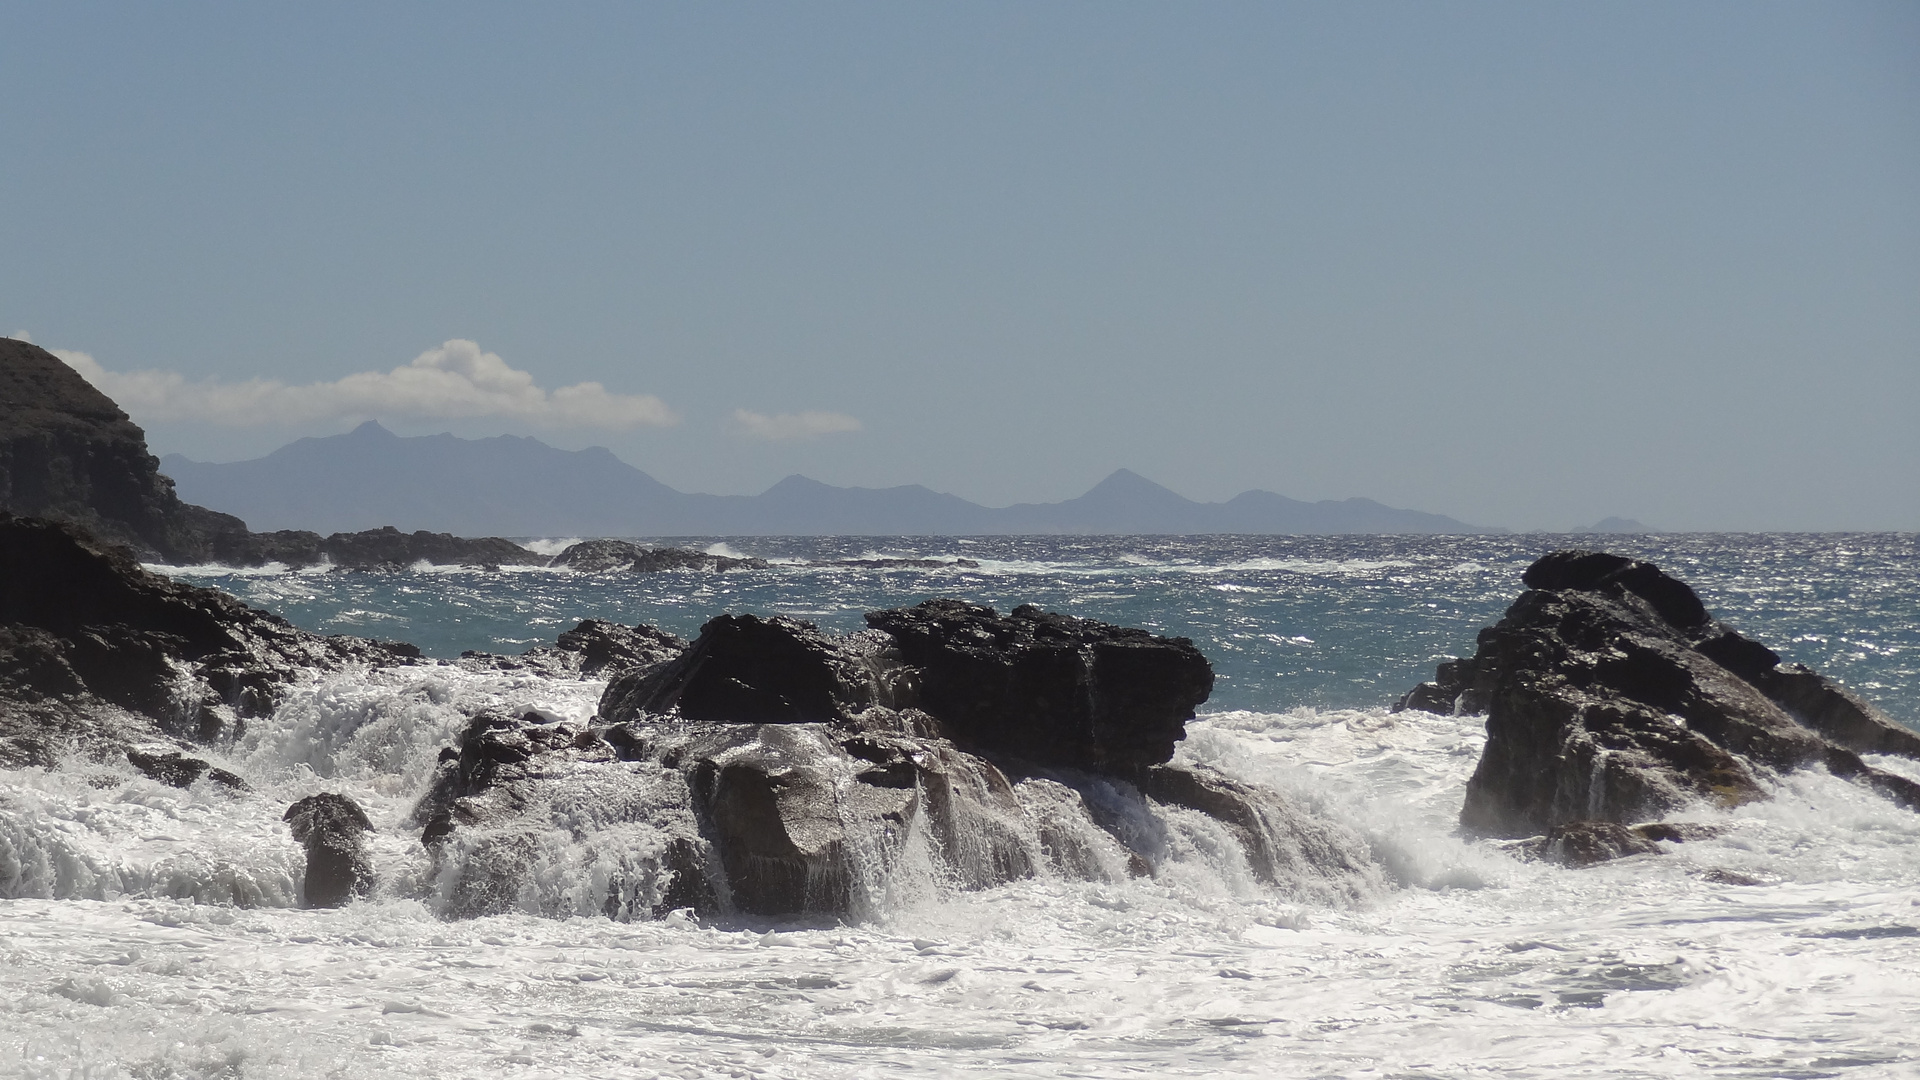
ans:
x=518 y=486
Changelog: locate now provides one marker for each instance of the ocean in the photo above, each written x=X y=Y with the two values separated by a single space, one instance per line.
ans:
x=149 y=932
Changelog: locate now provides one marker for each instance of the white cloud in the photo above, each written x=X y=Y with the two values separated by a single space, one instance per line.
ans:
x=453 y=381
x=800 y=425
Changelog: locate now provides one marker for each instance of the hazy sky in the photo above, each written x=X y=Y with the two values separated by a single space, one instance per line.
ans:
x=1526 y=264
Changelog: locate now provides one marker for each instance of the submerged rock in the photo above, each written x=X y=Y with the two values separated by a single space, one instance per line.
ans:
x=1588 y=843
x=332 y=828
x=1611 y=695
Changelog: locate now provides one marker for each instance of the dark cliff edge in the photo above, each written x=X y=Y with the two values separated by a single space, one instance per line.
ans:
x=1612 y=697
x=68 y=453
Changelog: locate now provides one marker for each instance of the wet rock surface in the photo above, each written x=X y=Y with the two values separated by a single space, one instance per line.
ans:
x=605 y=556
x=1588 y=843
x=1049 y=688
x=332 y=828
x=773 y=769
x=1612 y=695
x=97 y=653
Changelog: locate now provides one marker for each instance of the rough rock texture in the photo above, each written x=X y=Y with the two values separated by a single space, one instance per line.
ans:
x=68 y=452
x=745 y=669
x=96 y=653
x=601 y=556
x=389 y=547
x=773 y=769
x=1612 y=696
x=1051 y=689
x=1587 y=843
x=332 y=828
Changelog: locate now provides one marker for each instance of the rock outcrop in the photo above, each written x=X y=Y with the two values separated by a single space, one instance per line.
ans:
x=604 y=556
x=97 y=654
x=1612 y=695
x=332 y=828
x=1049 y=688
x=774 y=769
x=68 y=452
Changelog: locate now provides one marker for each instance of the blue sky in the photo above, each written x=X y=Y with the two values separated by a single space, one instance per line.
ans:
x=1523 y=264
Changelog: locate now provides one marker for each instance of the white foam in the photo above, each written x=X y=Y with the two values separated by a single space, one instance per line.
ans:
x=179 y=953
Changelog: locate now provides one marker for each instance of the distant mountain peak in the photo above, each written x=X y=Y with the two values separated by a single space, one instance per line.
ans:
x=520 y=486
x=1125 y=485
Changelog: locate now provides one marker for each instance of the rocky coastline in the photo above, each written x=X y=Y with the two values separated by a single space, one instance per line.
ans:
x=1612 y=697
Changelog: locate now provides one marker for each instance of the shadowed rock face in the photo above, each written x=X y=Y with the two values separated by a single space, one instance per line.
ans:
x=1049 y=688
x=96 y=653
x=1612 y=696
x=331 y=827
x=68 y=452
x=748 y=670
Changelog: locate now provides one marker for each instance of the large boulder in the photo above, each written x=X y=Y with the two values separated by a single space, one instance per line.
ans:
x=1051 y=689
x=1612 y=695
x=332 y=828
x=744 y=669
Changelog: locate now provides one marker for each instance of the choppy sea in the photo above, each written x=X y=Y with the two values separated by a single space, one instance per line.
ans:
x=152 y=932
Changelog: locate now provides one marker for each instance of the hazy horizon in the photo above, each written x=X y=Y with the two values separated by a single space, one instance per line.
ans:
x=1522 y=266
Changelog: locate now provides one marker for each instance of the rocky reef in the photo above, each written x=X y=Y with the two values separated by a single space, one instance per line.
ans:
x=774 y=769
x=100 y=658
x=1613 y=696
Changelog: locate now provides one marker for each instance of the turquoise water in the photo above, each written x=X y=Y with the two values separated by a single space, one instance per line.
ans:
x=1328 y=622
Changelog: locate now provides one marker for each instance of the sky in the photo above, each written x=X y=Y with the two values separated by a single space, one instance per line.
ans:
x=1524 y=264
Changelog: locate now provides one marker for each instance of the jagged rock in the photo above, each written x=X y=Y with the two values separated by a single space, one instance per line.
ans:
x=1051 y=689
x=595 y=646
x=598 y=556
x=97 y=653
x=332 y=827
x=390 y=546
x=773 y=769
x=175 y=769
x=601 y=556
x=68 y=452
x=1611 y=695
x=743 y=669
x=1587 y=843
x=763 y=819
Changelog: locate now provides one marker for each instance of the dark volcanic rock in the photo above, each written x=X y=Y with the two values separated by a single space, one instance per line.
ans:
x=601 y=556
x=1586 y=843
x=390 y=546
x=1612 y=696
x=68 y=452
x=332 y=827
x=171 y=767
x=1049 y=688
x=598 y=556
x=600 y=646
x=99 y=652
x=772 y=769
x=743 y=669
